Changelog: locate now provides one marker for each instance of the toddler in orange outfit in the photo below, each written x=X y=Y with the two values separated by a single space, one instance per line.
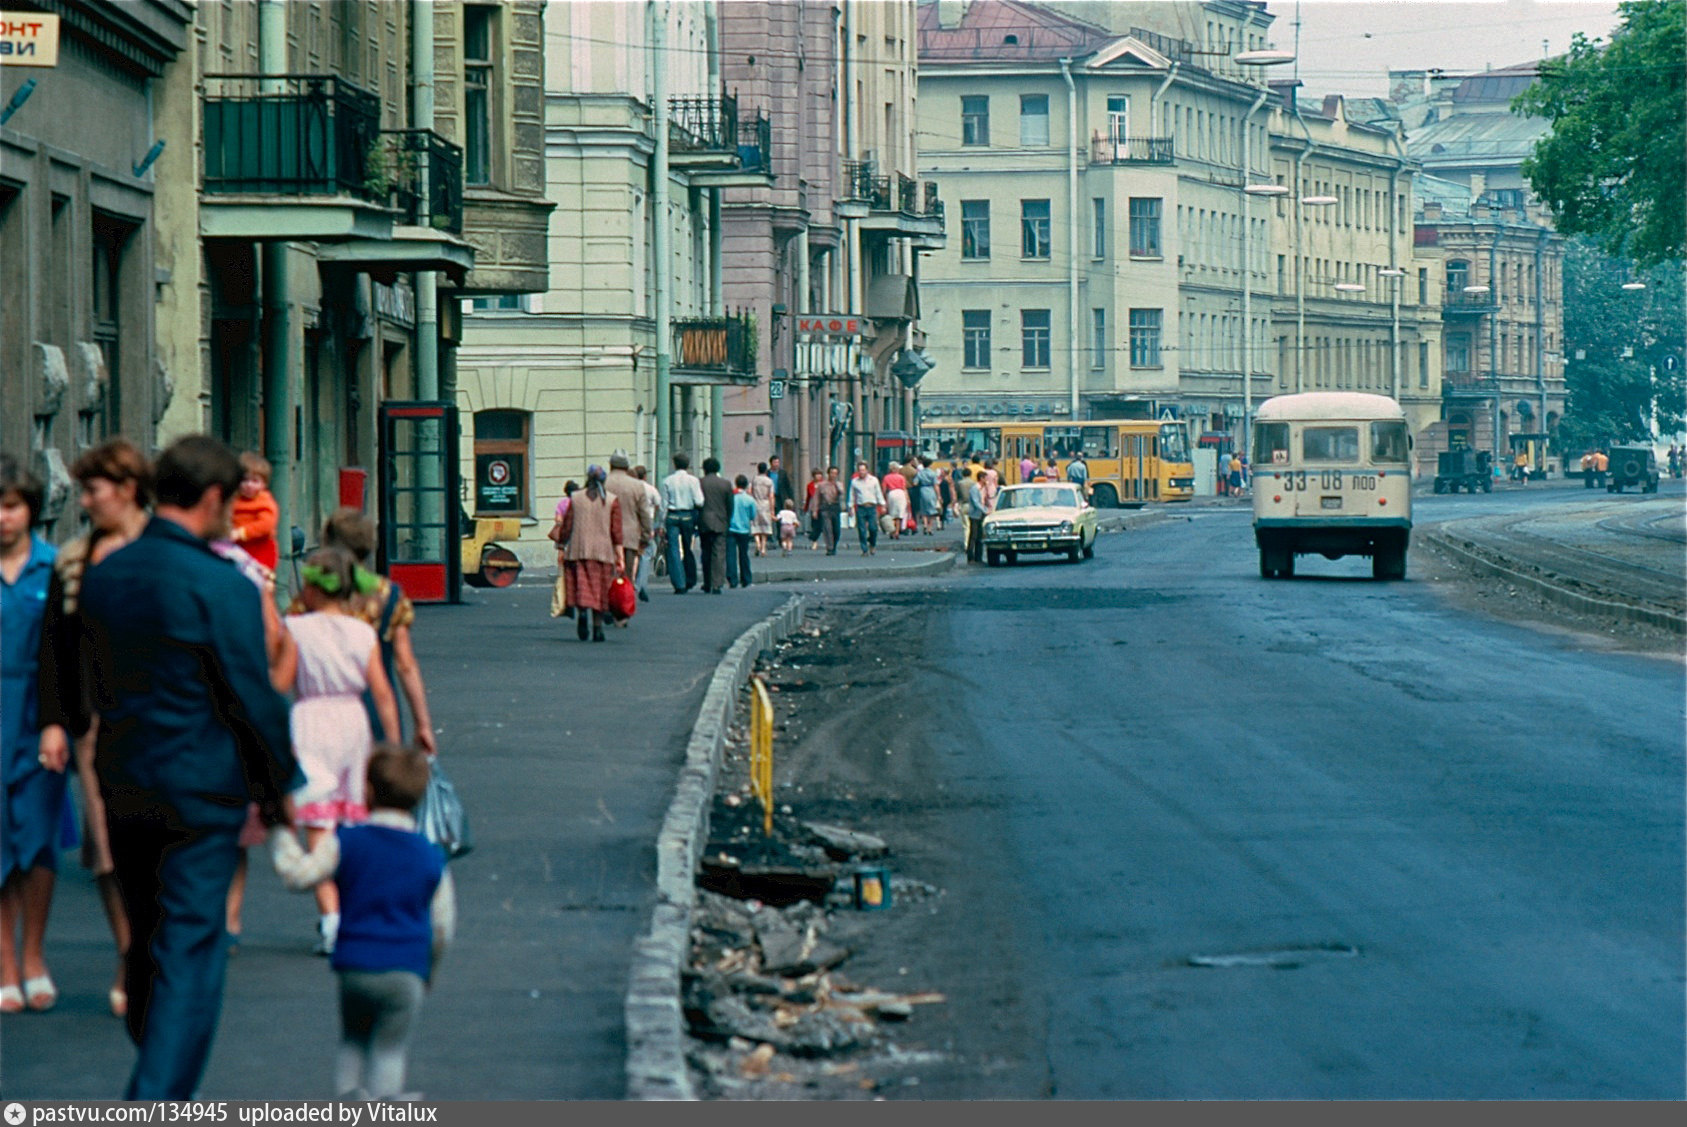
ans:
x=256 y=513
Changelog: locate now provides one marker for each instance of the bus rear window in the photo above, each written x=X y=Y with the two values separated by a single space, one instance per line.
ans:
x=1271 y=444
x=1330 y=444
x=1390 y=445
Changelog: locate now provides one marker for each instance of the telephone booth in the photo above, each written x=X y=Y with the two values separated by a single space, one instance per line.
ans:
x=419 y=500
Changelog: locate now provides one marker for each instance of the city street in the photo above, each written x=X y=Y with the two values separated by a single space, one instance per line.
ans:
x=1202 y=835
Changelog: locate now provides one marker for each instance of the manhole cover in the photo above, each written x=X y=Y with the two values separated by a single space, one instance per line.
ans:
x=1283 y=958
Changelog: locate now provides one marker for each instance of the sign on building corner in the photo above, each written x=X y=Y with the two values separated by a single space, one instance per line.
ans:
x=29 y=39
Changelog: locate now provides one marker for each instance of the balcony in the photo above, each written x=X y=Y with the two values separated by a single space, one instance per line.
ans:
x=288 y=157
x=1468 y=385
x=897 y=205
x=1106 y=149
x=715 y=350
x=718 y=145
x=1456 y=304
x=397 y=166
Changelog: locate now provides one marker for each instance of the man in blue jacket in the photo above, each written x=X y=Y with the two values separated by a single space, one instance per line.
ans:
x=191 y=730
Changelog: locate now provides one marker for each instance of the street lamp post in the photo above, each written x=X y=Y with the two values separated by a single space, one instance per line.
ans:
x=1261 y=58
x=1393 y=274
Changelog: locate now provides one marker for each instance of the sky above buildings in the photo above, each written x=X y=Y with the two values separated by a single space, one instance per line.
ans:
x=1348 y=46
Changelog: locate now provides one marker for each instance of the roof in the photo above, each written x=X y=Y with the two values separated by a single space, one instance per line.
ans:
x=1007 y=30
x=1453 y=197
x=1309 y=405
x=1476 y=138
x=1497 y=87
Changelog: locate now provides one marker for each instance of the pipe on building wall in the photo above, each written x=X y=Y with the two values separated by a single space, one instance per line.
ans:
x=1540 y=332
x=1300 y=254
x=717 y=308
x=660 y=241
x=421 y=117
x=1071 y=236
x=801 y=305
x=1154 y=102
x=1248 y=269
x=277 y=305
x=1395 y=283
x=1494 y=339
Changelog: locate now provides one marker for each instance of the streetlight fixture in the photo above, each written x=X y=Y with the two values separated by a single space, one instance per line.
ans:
x=1477 y=289
x=1391 y=272
x=1319 y=201
x=1263 y=58
x=1349 y=287
x=1632 y=286
x=1265 y=189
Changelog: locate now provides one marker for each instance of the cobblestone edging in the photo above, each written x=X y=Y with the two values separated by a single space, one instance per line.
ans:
x=1473 y=555
x=656 y=1068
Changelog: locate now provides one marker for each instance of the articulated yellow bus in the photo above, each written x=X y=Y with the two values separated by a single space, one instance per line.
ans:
x=1131 y=461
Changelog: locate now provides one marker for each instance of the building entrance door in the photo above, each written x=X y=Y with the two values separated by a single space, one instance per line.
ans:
x=420 y=500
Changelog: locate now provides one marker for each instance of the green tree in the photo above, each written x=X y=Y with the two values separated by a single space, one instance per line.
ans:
x=1623 y=350
x=1613 y=165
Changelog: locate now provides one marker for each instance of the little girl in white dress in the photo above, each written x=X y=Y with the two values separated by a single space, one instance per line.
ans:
x=339 y=656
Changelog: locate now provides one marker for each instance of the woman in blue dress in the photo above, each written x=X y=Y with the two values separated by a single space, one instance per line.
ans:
x=34 y=784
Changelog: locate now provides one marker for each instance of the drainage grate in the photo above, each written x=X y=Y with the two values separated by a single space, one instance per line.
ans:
x=1283 y=958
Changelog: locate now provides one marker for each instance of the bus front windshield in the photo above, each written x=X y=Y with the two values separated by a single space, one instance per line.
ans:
x=1174 y=444
x=960 y=443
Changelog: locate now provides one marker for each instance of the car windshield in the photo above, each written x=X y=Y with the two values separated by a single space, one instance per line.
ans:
x=1036 y=496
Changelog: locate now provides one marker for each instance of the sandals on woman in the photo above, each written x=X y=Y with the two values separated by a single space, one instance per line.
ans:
x=40 y=992
x=11 y=1000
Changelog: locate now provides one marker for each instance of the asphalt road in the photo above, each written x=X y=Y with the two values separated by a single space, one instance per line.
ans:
x=1323 y=838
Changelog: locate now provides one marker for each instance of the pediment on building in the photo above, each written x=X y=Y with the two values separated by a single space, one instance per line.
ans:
x=1127 y=52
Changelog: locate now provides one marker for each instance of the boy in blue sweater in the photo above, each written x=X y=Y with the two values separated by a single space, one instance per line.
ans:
x=397 y=914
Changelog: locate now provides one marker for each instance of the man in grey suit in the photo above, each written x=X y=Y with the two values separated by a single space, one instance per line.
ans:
x=717 y=514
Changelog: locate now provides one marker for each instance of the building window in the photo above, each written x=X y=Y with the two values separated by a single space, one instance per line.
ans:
x=1034 y=338
x=1458 y=277
x=1034 y=228
x=975 y=228
x=975 y=338
x=1145 y=227
x=1099 y=236
x=478 y=45
x=975 y=120
x=1145 y=338
x=1118 y=125
x=1423 y=363
x=1033 y=120
x=501 y=455
x=1098 y=339
x=504 y=302
x=1458 y=355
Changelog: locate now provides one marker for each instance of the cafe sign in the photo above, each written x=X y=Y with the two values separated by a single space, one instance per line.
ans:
x=29 y=39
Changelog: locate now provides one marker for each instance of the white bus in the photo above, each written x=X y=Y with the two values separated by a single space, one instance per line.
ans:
x=1332 y=476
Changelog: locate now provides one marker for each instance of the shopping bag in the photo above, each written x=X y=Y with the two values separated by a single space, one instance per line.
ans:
x=559 y=593
x=440 y=815
x=623 y=600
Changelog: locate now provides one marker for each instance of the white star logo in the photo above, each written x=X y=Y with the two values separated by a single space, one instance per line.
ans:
x=14 y=1114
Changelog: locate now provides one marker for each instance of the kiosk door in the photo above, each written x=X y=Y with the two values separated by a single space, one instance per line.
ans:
x=419 y=491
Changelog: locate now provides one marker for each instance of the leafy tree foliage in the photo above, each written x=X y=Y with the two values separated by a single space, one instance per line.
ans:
x=1623 y=350
x=1613 y=165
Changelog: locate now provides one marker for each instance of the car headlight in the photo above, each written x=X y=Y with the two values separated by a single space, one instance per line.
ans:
x=1066 y=526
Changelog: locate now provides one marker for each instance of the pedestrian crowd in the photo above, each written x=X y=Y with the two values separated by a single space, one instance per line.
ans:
x=148 y=658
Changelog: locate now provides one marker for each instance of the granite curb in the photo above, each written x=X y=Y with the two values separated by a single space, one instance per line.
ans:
x=1475 y=556
x=656 y=1068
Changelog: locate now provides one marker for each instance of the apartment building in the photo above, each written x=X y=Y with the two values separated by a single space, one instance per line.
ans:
x=1095 y=175
x=827 y=256
x=1356 y=304
x=633 y=343
x=345 y=170
x=79 y=232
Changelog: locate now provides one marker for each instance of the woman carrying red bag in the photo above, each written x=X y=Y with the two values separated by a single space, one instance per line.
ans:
x=591 y=553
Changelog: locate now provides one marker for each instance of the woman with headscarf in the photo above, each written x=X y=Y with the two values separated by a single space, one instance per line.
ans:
x=591 y=552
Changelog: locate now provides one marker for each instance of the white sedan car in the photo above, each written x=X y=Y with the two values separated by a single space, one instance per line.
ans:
x=1051 y=517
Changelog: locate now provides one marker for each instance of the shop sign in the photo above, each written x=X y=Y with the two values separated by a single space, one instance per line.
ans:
x=996 y=409
x=832 y=324
x=396 y=304
x=29 y=39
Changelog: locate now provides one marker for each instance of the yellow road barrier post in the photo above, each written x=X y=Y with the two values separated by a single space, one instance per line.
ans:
x=761 y=750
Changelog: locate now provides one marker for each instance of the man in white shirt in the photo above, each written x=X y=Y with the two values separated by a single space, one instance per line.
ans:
x=682 y=497
x=866 y=501
x=654 y=511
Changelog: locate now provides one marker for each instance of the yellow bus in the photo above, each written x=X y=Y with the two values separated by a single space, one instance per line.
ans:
x=1131 y=461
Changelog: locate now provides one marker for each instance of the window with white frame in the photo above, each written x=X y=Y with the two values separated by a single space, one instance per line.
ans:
x=1145 y=226
x=1035 y=239
x=975 y=228
x=1098 y=339
x=1033 y=120
x=975 y=120
x=975 y=338
x=1034 y=338
x=1145 y=337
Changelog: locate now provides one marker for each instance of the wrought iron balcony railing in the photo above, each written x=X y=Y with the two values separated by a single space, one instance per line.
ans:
x=717 y=126
x=1459 y=384
x=898 y=193
x=396 y=169
x=289 y=135
x=755 y=144
x=1106 y=149
x=1456 y=301
x=725 y=345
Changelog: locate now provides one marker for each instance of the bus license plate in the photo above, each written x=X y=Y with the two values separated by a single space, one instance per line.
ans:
x=1330 y=502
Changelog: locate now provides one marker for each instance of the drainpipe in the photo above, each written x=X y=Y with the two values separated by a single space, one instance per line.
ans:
x=1154 y=102
x=1540 y=334
x=1247 y=271
x=1071 y=233
x=421 y=117
x=1394 y=292
x=660 y=248
x=717 y=308
x=278 y=330
x=1300 y=255
x=1493 y=337
x=800 y=305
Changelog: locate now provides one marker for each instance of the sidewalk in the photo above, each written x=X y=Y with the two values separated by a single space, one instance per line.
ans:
x=566 y=754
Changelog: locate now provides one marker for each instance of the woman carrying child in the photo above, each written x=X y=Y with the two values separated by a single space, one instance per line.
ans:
x=339 y=657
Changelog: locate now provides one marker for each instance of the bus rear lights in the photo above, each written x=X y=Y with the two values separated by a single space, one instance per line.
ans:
x=1382 y=500
x=1276 y=498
